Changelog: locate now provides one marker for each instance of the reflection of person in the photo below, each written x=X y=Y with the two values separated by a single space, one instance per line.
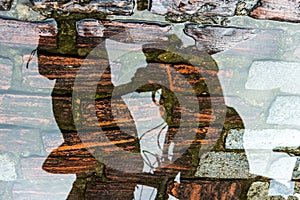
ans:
x=121 y=129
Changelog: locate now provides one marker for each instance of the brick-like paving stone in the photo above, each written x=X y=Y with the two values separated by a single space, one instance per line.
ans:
x=6 y=69
x=267 y=75
x=208 y=7
x=9 y=164
x=285 y=111
x=28 y=111
x=234 y=139
x=225 y=165
x=121 y=7
x=5 y=190
x=263 y=160
x=260 y=190
x=24 y=142
x=281 y=10
x=39 y=184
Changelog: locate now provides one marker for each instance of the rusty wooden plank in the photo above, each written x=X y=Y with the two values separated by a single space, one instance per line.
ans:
x=279 y=10
x=70 y=159
x=110 y=190
x=196 y=189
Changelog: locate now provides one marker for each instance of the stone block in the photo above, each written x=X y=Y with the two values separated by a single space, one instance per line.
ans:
x=110 y=7
x=280 y=10
x=39 y=184
x=28 y=111
x=285 y=111
x=246 y=41
x=51 y=188
x=206 y=8
x=6 y=190
x=9 y=166
x=260 y=190
x=268 y=75
x=24 y=142
x=6 y=68
x=14 y=33
x=225 y=165
x=32 y=80
x=234 y=139
x=264 y=159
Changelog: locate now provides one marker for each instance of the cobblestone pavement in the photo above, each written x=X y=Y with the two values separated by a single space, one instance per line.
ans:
x=238 y=59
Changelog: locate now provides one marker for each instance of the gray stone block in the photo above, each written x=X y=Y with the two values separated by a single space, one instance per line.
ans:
x=268 y=75
x=27 y=111
x=234 y=139
x=225 y=165
x=6 y=190
x=285 y=111
x=6 y=68
x=260 y=190
x=8 y=167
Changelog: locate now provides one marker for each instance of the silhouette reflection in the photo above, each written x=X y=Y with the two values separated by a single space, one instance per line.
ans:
x=128 y=137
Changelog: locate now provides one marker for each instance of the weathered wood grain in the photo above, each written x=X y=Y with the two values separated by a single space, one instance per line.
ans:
x=196 y=190
x=279 y=10
x=110 y=190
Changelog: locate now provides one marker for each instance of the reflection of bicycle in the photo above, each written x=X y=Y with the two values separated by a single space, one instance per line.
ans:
x=180 y=81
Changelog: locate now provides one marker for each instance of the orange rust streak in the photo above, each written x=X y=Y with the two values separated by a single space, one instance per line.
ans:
x=93 y=144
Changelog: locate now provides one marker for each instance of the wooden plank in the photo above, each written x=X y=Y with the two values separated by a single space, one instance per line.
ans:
x=197 y=189
x=109 y=190
x=279 y=10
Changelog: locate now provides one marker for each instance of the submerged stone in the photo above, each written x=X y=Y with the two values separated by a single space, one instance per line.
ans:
x=5 y=5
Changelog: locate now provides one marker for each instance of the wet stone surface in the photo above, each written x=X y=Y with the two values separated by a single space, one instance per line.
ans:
x=225 y=165
x=258 y=73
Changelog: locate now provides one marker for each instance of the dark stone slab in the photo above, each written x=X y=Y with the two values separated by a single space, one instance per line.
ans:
x=279 y=10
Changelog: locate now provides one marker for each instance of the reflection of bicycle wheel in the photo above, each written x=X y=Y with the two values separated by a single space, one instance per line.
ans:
x=183 y=75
